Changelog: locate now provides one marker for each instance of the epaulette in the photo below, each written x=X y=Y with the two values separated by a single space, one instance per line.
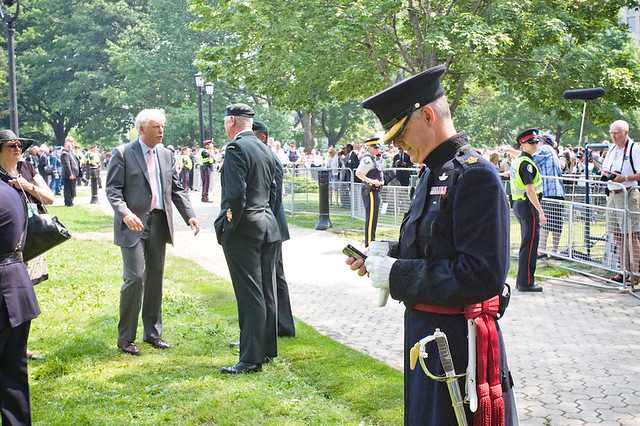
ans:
x=468 y=157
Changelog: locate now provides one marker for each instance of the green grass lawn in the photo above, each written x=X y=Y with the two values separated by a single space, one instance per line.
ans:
x=86 y=380
x=82 y=218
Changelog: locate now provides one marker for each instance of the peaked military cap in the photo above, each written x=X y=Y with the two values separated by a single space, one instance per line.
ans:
x=207 y=142
x=259 y=126
x=530 y=136
x=240 y=110
x=394 y=105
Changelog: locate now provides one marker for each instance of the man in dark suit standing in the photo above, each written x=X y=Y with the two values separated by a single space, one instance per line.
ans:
x=70 y=171
x=402 y=161
x=286 y=325
x=248 y=232
x=141 y=184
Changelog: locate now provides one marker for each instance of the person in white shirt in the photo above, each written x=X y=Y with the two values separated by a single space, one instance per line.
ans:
x=620 y=167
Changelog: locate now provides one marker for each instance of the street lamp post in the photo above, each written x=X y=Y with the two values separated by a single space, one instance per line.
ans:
x=11 y=20
x=199 y=86
x=209 y=89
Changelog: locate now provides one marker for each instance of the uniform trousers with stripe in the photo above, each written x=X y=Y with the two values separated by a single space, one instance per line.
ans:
x=371 y=201
x=529 y=238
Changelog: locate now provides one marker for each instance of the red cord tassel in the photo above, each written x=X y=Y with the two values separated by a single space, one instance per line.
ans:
x=497 y=406
x=482 y=417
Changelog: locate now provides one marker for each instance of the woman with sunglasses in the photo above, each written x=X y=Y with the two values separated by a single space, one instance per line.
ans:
x=18 y=304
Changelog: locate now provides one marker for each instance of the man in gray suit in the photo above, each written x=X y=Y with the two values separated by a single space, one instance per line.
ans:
x=248 y=232
x=141 y=184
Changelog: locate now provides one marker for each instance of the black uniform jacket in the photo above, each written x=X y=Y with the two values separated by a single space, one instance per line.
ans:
x=18 y=303
x=454 y=241
x=278 y=207
x=248 y=190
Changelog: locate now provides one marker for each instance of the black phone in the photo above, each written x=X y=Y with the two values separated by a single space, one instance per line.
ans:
x=350 y=250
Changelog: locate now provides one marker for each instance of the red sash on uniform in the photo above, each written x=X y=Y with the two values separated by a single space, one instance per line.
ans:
x=491 y=404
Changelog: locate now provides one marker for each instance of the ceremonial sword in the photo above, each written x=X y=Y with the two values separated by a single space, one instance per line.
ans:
x=419 y=353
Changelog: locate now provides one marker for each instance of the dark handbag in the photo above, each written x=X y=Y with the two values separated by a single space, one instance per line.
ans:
x=44 y=232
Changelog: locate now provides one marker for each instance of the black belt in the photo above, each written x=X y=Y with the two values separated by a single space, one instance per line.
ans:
x=8 y=258
x=156 y=211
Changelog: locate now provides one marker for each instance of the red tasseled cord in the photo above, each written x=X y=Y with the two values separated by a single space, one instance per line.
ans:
x=482 y=417
x=497 y=406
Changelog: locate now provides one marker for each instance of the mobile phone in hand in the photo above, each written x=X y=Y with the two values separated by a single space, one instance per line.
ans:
x=350 y=250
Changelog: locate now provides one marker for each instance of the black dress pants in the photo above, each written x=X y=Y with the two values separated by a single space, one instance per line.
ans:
x=252 y=268
x=529 y=238
x=94 y=176
x=371 y=200
x=15 y=404
x=286 y=325
x=69 y=191
x=205 y=175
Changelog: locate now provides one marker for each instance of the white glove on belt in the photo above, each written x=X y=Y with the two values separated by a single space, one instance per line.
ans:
x=379 y=268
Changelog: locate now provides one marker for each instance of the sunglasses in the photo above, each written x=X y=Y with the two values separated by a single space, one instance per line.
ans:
x=398 y=137
x=14 y=144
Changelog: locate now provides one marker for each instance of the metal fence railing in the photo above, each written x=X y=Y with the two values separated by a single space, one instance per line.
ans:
x=585 y=228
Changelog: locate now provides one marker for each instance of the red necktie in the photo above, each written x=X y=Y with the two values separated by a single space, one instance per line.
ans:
x=151 y=168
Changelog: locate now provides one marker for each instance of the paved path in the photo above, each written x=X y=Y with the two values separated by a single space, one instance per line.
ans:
x=574 y=351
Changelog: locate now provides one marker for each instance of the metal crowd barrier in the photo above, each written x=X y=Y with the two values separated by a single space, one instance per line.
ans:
x=592 y=236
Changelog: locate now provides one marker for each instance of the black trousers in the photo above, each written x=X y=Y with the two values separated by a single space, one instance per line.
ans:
x=15 y=404
x=286 y=325
x=94 y=176
x=252 y=268
x=69 y=191
x=205 y=175
x=371 y=200
x=529 y=238
x=143 y=273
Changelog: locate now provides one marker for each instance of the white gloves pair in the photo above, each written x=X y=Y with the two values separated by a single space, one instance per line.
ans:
x=379 y=265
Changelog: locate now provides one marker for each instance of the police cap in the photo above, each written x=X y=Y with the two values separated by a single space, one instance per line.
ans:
x=373 y=142
x=259 y=126
x=207 y=142
x=531 y=136
x=393 y=105
x=239 y=110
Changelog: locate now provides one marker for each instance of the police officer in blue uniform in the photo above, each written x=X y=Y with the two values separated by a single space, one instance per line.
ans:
x=369 y=172
x=453 y=250
x=526 y=191
x=248 y=232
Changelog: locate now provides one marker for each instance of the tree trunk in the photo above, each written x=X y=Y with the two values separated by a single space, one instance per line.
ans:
x=59 y=131
x=307 y=120
x=558 y=134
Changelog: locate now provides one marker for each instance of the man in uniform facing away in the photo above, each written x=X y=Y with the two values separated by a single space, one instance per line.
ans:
x=452 y=257
x=142 y=184
x=248 y=232
x=286 y=326
x=370 y=174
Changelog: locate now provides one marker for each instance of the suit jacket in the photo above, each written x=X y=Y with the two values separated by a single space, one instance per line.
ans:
x=18 y=303
x=248 y=190
x=70 y=164
x=278 y=207
x=129 y=190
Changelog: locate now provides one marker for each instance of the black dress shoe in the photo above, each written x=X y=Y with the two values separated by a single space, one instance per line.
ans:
x=234 y=345
x=241 y=368
x=129 y=348
x=533 y=289
x=158 y=343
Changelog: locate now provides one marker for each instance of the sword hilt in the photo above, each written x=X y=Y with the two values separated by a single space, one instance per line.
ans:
x=445 y=353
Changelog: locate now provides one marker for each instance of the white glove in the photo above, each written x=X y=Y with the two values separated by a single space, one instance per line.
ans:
x=379 y=248
x=379 y=268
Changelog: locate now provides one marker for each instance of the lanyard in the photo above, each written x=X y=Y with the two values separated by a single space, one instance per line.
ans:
x=623 y=157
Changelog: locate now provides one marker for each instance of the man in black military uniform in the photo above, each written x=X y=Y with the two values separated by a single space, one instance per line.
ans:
x=248 y=232
x=286 y=326
x=206 y=167
x=369 y=172
x=453 y=253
